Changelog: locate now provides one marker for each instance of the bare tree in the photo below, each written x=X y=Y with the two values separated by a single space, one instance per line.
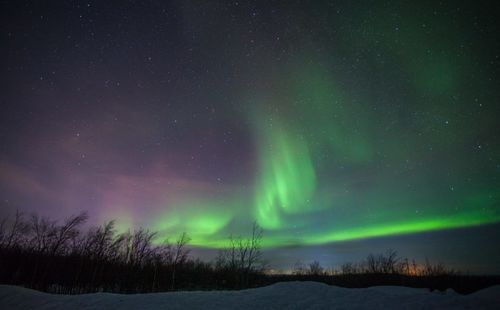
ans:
x=348 y=268
x=253 y=248
x=63 y=234
x=404 y=267
x=179 y=255
x=139 y=247
x=242 y=256
x=228 y=256
x=43 y=231
x=2 y=231
x=315 y=269
x=382 y=263
x=161 y=256
x=389 y=261
x=299 y=269
x=10 y=237
x=437 y=269
x=101 y=243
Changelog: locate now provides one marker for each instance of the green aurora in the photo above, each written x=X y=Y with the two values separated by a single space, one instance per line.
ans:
x=313 y=129
x=323 y=121
x=290 y=196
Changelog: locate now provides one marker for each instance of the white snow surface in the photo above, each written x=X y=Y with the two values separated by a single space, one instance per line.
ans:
x=285 y=295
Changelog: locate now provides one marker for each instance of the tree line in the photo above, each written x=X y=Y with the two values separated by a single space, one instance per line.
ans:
x=61 y=257
x=378 y=264
x=43 y=254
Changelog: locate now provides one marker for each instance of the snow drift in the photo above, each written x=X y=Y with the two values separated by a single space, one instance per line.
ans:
x=286 y=295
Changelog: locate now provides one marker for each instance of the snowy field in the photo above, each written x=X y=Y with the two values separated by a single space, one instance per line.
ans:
x=290 y=295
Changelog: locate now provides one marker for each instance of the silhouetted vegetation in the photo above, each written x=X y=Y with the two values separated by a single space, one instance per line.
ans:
x=43 y=254
x=390 y=269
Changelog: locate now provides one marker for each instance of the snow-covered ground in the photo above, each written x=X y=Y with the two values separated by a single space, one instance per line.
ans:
x=289 y=295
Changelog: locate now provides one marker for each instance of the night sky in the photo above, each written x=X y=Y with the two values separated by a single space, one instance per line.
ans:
x=341 y=127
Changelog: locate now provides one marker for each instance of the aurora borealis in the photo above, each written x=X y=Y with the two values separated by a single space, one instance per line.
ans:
x=333 y=124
